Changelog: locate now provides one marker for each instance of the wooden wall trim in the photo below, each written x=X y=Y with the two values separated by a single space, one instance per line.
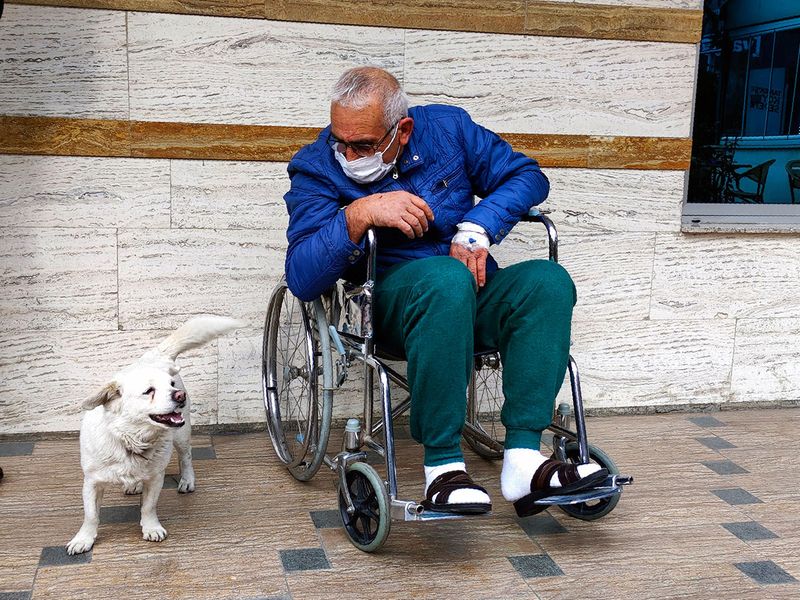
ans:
x=61 y=136
x=521 y=17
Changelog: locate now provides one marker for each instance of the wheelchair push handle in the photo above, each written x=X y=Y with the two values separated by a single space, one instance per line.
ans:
x=537 y=216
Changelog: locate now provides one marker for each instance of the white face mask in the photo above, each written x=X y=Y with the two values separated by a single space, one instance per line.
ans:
x=367 y=168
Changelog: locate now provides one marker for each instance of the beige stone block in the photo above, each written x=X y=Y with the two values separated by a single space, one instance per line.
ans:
x=61 y=191
x=47 y=374
x=600 y=200
x=58 y=278
x=229 y=195
x=725 y=276
x=222 y=70
x=765 y=365
x=165 y=276
x=695 y=4
x=63 y=62
x=240 y=392
x=527 y=84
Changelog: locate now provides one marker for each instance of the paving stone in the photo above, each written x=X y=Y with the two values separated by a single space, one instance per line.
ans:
x=541 y=524
x=120 y=514
x=535 y=565
x=326 y=519
x=725 y=467
x=16 y=448
x=749 y=530
x=737 y=496
x=171 y=482
x=15 y=595
x=56 y=556
x=715 y=443
x=204 y=453
x=764 y=572
x=706 y=421
x=304 y=559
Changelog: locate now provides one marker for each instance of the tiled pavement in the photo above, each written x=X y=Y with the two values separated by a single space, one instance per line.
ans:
x=713 y=513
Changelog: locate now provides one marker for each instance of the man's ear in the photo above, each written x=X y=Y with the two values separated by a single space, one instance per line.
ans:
x=106 y=394
x=405 y=128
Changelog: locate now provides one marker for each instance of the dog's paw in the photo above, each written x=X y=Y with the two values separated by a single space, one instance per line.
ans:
x=186 y=485
x=154 y=534
x=79 y=544
x=133 y=490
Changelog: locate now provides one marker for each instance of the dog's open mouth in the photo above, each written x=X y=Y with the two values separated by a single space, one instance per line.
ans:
x=173 y=419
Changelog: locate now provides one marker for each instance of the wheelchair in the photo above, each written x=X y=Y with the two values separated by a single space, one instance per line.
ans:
x=309 y=348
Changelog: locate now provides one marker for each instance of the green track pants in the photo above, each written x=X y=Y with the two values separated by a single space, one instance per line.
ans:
x=428 y=310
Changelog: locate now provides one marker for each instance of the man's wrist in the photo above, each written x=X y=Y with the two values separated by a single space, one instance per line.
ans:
x=357 y=219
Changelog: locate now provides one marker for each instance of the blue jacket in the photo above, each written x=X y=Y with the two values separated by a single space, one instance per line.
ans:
x=448 y=161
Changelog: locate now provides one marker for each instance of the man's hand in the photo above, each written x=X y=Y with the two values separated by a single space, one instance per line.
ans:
x=401 y=210
x=475 y=260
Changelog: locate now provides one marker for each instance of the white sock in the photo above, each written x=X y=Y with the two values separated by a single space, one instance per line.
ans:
x=458 y=496
x=519 y=465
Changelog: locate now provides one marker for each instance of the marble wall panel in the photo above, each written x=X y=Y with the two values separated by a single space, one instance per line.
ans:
x=62 y=191
x=58 y=278
x=240 y=394
x=166 y=276
x=596 y=200
x=765 y=364
x=229 y=195
x=612 y=272
x=63 y=61
x=555 y=85
x=653 y=363
x=220 y=70
x=725 y=276
x=46 y=375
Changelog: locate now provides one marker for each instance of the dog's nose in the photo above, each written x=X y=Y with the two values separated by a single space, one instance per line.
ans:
x=179 y=396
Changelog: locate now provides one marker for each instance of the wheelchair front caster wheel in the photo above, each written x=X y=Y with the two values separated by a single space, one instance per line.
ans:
x=592 y=510
x=368 y=527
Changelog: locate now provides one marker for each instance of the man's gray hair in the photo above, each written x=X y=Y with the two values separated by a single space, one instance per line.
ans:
x=358 y=87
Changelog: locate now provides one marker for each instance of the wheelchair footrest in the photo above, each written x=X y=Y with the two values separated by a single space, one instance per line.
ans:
x=612 y=485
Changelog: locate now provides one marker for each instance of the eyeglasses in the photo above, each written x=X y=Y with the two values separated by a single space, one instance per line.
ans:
x=360 y=149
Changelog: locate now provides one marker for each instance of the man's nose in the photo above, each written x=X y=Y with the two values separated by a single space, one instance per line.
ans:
x=179 y=396
x=350 y=154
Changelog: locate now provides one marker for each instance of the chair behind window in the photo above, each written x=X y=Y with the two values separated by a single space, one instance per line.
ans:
x=758 y=174
x=793 y=171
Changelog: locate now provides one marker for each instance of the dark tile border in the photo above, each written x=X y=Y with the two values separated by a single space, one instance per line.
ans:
x=706 y=421
x=715 y=443
x=749 y=530
x=724 y=467
x=304 y=559
x=535 y=565
x=541 y=524
x=326 y=519
x=120 y=514
x=16 y=448
x=736 y=496
x=204 y=453
x=56 y=556
x=765 y=572
x=15 y=595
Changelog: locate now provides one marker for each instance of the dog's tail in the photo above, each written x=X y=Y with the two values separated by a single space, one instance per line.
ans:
x=196 y=332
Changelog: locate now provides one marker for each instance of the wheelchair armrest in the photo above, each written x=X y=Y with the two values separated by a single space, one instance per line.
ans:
x=538 y=216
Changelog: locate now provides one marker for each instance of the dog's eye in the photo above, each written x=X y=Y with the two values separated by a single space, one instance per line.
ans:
x=150 y=390
x=172 y=383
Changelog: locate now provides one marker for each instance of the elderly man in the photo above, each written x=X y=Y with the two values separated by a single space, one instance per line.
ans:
x=413 y=175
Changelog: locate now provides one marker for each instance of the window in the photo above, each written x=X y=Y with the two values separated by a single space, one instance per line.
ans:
x=746 y=135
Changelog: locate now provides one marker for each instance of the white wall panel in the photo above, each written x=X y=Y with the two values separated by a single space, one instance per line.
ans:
x=229 y=195
x=650 y=363
x=64 y=191
x=725 y=276
x=597 y=200
x=166 y=276
x=531 y=84
x=47 y=374
x=221 y=70
x=695 y=4
x=766 y=365
x=58 y=278
x=63 y=62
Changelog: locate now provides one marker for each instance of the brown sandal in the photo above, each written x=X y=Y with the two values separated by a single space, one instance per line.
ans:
x=447 y=483
x=571 y=482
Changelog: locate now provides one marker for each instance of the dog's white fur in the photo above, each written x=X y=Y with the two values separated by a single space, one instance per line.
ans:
x=122 y=444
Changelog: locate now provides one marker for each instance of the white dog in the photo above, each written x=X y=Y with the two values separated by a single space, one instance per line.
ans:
x=132 y=424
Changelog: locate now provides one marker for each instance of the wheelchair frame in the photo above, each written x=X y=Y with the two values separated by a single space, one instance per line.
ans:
x=367 y=502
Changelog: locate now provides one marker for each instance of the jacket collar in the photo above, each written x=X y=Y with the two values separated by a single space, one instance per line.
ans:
x=412 y=157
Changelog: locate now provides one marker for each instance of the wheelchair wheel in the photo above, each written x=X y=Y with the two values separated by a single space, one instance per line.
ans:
x=590 y=511
x=297 y=381
x=368 y=527
x=483 y=431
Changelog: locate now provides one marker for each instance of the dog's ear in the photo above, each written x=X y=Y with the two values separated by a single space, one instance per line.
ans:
x=174 y=369
x=106 y=394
